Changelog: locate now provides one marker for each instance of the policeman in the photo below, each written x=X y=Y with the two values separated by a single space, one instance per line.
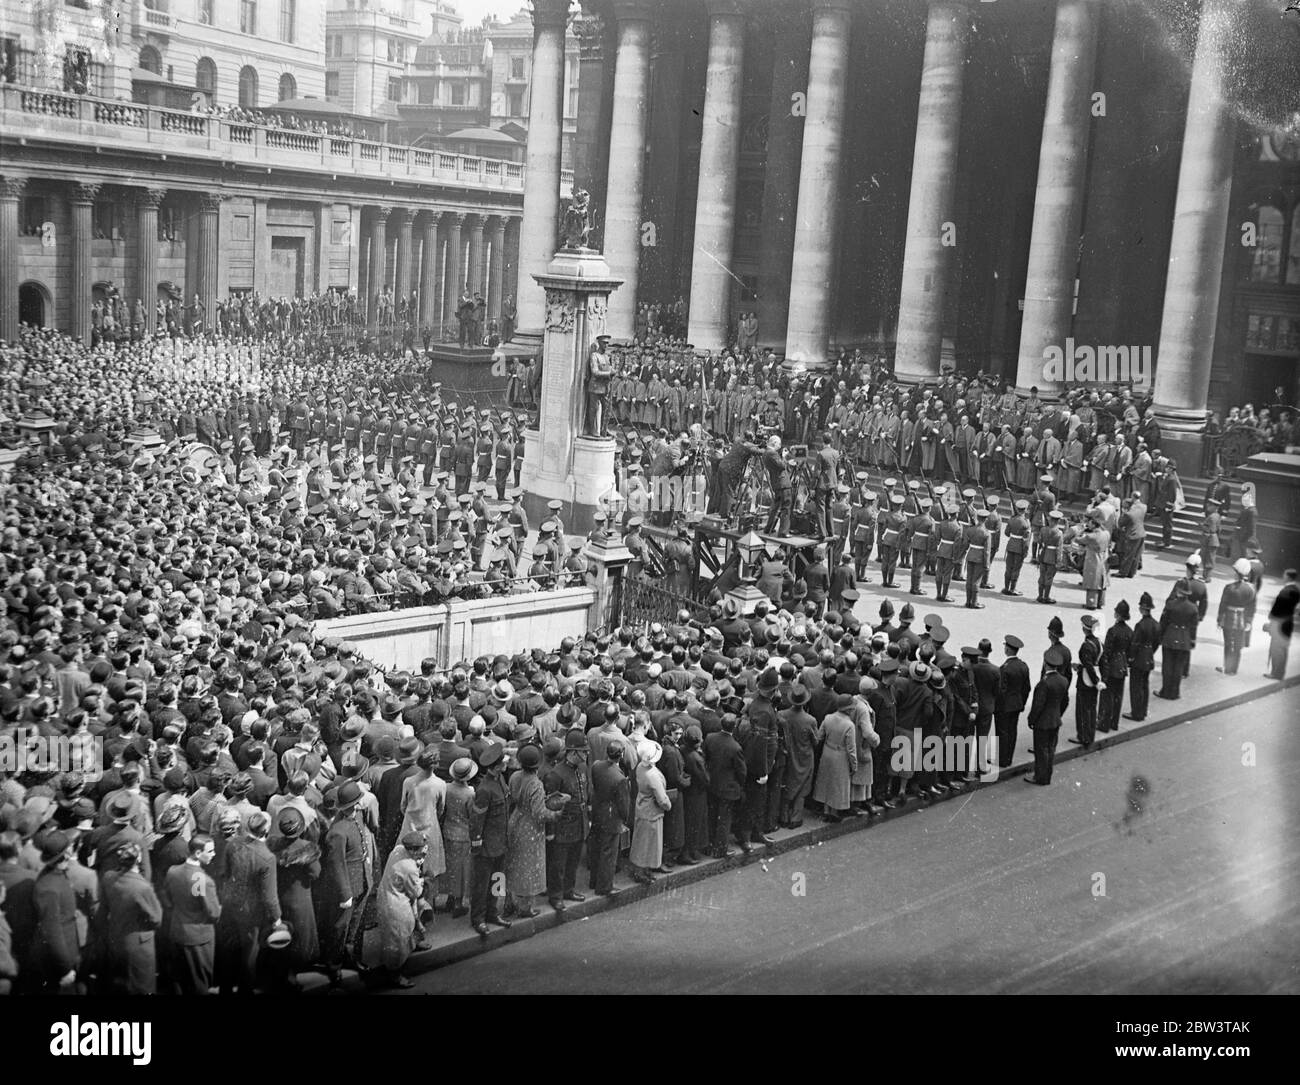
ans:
x=977 y=557
x=1236 y=613
x=891 y=533
x=948 y=538
x=1017 y=544
x=920 y=530
x=864 y=532
x=1049 y=555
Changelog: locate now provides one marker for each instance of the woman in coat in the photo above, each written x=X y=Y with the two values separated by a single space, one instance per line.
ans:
x=867 y=740
x=423 y=805
x=695 y=795
x=530 y=810
x=401 y=892
x=455 y=881
x=297 y=866
x=652 y=802
x=839 y=761
x=1096 y=562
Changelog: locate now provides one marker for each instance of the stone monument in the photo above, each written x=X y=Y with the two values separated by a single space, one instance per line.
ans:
x=561 y=459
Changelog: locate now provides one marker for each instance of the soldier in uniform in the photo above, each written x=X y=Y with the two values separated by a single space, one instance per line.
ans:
x=891 y=532
x=948 y=538
x=677 y=561
x=1209 y=538
x=841 y=513
x=993 y=513
x=863 y=520
x=977 y=557
x=462 y=463
x=635 y=545
x=503 y=459
x=1012 y=696
x=1041 y=504
x=430 y=438
x=921 y=528
x=1049 y=555
x=911 y=506
x=1017 y=534
x=965 y=517
x=1236 y=613
x=488 y=819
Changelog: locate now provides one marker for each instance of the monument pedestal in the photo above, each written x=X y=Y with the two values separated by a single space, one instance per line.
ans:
x=560 y=461
x=747 y=597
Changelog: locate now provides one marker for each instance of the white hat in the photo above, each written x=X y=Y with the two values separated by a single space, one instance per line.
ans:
x=651 y=752
x=1241 y=567
x=1194 y=560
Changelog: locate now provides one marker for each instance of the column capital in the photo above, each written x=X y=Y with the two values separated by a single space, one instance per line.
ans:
x=85 y=192
x=406 y=216
x=480 y=222
x=381 y=213
x=457 y=218
x=11 y=188
x=550 y=13
x=499 y=224
x=150 y=197
x=210 y=201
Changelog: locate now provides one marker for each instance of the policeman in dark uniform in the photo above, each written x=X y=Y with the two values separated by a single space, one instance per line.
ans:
x=920 y=530
x=1017 y=545
x=1049 y=555
x=891 y=533
x=977 y=558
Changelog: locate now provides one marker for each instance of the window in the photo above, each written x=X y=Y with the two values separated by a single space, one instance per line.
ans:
x=394 y=89
x=1266 y=261
x=288 y=87
x=248 y=16
x=8 y=60
x=458 y=93
x=205 y=12
x=248 y=87
x=287 y=14
x=76 y=69
x=205 y=76
x=394 y=50
x=150 y=60
x=424 y=92
x=516 y=67
x=516 y=106
x=107 y=220
x=331 y=84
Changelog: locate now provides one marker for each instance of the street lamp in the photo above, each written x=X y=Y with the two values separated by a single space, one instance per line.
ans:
x=751 y=548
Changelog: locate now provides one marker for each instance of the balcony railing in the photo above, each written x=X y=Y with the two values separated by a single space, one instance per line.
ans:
x=80 y=121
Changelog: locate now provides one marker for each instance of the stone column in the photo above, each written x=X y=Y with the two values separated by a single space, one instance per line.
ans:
x=208 y=259
x=715 y=201
x=475 y=272
x=146 y=257
x=405 y=255
x=928 y=253
x=378 y=261
x=627 y=148
x=83 y=204
x=1191 y=308
x=11 y=190
x=1058 y=200
x=791 y=44
x=542 y=167
x=496 y=277
x=454 y=283
x=808 y=329
x=429 y=272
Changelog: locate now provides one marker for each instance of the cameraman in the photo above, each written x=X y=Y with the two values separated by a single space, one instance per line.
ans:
x=782 y=482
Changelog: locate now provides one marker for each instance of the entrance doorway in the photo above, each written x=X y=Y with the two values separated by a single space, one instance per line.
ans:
x=286 y=273
x=33 y=305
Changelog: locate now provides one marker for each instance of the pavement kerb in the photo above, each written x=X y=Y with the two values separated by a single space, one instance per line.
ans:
x=473 y=945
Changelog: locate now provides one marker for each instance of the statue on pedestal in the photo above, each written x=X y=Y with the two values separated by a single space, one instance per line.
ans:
x=575 y=226
x=599 y=372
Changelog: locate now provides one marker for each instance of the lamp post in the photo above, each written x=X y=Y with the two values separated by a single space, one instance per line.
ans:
x=746 y=595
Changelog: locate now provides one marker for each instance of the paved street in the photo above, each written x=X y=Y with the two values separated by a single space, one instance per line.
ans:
x=999 y=891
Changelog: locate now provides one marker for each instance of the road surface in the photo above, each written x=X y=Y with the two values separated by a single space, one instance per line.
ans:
x=1167 y=864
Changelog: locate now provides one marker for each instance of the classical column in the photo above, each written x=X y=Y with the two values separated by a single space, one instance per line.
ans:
x=715 y=201
x=542 y=164
x=454 y=281
x=147 y=202
x=83 y=203
x=378 y=261
x=931 y=233
x=429 y=272
x=808 y=329
x=208 y=258
x=1191 y=307
x=405 y=255
x=790 y=40
x=496 y=275
x=474 y=275
x=1058 y=199
x=11 y=190
x=627 y=148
